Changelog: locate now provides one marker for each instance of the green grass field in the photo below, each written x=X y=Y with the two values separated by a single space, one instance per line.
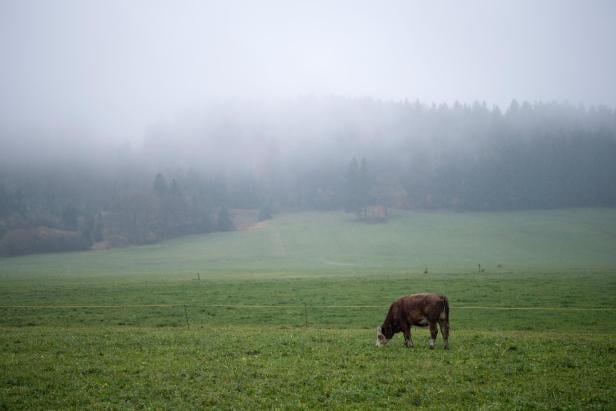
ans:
x=134 y=328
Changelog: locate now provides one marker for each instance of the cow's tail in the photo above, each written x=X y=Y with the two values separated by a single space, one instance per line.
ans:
x=446 y=307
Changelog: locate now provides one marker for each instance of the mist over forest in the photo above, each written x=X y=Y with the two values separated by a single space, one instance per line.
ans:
x=334 y=153
x=135 y=122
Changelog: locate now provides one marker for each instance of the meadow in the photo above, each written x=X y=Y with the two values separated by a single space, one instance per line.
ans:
x=283 y=316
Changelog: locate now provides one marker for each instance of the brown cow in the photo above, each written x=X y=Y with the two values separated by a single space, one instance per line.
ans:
x=419 y=310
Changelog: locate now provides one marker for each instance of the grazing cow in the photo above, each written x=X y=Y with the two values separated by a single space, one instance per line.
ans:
x=419 y=310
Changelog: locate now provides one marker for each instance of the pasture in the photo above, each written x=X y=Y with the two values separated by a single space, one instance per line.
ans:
x=283 y=316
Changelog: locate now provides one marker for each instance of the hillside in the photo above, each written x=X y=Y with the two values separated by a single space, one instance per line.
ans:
x=334 y=244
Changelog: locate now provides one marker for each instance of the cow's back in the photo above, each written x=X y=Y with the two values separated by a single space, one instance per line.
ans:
x=420 y=309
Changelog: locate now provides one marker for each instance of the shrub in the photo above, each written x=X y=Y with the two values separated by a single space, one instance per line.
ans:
x=41 y=240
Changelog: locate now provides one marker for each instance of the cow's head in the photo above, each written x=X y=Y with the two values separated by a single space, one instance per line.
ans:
x=382 y=336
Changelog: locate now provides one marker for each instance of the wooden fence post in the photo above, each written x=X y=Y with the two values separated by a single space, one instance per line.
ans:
x=186 y=315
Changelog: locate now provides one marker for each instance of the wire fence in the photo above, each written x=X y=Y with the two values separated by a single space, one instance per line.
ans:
x=452 y=307
x=298 y=314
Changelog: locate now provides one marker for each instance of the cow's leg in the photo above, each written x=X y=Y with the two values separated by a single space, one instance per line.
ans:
x=408 y=341
x=444 y=324
x=433 y=334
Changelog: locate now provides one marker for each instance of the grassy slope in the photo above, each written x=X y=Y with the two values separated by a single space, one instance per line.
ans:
x=332 y=243
x=261 y=357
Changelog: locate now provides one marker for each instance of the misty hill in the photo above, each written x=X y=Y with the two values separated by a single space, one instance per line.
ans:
x=306 y=154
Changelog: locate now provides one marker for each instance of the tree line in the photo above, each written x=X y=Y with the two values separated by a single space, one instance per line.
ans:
x=35 y=218
x=358 y=155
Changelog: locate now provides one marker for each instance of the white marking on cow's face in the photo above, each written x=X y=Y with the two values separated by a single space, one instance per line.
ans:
x=381 y=340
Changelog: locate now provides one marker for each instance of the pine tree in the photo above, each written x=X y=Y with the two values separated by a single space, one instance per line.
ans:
x=160 y=185
x=363 y=188
x=224 y=222
x=352 y=203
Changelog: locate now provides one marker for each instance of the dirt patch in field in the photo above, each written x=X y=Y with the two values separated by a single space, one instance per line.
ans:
x=342 y=263
x=259 y=225
x=244 y=219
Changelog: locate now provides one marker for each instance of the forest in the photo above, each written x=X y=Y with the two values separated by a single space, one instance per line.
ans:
x=353 y=154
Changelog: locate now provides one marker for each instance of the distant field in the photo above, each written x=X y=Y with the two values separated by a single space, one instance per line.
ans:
x=324 y=244
x=145 y=333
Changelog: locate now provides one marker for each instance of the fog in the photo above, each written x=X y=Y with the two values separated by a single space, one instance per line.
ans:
x=112 y=71
x=132 y=122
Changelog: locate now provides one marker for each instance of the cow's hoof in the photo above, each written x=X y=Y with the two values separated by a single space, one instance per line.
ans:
x=446 y=347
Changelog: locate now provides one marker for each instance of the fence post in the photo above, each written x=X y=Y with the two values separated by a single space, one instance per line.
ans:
x=186 y=315
x=305 y=315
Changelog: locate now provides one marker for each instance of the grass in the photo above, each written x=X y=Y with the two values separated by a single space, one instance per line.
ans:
x=310 y=350
x=592 y=290
x=324 y=244
x=254 y=368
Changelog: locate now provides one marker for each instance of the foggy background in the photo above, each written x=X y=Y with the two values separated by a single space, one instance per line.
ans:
x=129 y=122
x=108 y=70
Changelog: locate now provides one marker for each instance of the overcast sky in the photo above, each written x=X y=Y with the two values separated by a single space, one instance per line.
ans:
x=117 y=67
